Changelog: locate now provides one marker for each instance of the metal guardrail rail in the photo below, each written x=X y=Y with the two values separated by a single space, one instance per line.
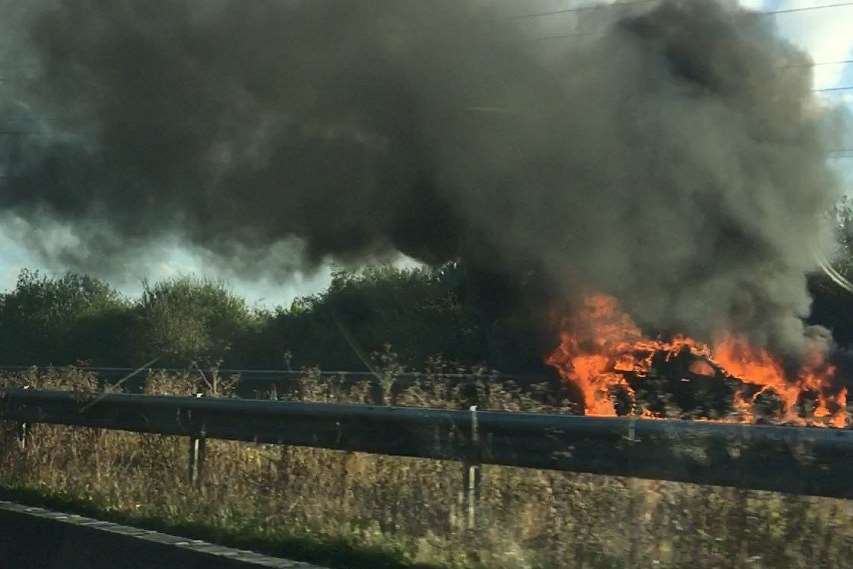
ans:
x=799 y=460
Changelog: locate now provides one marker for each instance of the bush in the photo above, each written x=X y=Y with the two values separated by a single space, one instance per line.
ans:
x=420 y=312
x=190 y=320
x=62 y=321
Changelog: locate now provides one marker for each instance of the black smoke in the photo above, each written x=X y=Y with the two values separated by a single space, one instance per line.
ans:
x=675 y=160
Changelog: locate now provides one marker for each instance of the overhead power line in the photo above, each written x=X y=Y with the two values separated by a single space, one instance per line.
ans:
x=818 y=64
x=834 y=89
x=588 y=7
x=639 y=2
x=581 y=9
x=809 y=8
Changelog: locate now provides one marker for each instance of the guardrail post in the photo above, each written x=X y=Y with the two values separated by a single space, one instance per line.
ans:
x=472 y=474
x=22 y=434
x=197 y=454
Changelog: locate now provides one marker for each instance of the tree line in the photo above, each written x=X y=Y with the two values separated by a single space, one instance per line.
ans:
x=79 y=319
x=414 y=316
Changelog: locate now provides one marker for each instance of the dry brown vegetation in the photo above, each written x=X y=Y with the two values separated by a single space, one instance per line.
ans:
x=409 y=509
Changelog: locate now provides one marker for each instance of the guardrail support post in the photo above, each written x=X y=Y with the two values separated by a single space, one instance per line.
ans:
x=472 y=475
x=198 y=452
x=22 y=434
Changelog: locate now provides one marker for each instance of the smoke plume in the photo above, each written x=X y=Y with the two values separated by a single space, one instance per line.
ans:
x=674 y=159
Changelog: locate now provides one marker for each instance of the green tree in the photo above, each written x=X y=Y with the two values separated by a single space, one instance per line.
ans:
x=191 y=319
x=419 y=312
x=62 y=321
x=832 y=304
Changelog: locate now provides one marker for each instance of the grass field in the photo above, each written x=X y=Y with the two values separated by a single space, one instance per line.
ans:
x=358 y=510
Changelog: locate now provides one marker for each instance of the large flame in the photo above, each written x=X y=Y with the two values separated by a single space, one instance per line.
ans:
x=605 y=355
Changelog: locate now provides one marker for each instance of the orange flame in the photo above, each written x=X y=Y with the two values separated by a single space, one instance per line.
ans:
x=602 y=352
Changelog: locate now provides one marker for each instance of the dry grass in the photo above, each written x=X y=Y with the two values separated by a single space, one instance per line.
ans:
x=409 y=508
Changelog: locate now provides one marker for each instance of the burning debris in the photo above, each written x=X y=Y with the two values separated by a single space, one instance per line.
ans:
x=605 y=355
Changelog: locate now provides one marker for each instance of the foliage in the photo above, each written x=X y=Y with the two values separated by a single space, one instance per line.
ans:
x=833 y=305
x=463 y=317
x=188 y=319
x=62 y=320
x=419 y=312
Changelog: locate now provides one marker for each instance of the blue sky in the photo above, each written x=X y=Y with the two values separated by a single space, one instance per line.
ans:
x=827 y=35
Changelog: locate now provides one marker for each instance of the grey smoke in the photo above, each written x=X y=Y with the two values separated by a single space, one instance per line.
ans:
x=675 y=160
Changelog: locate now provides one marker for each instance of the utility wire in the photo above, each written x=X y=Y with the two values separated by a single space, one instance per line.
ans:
x=623 y=4
x=580 y=9
x=638 y=2
x=831 y=89
x=818 y=64
x=117 y=384
x=809 y=8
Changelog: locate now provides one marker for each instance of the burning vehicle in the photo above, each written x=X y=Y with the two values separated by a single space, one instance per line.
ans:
x=604 y=354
